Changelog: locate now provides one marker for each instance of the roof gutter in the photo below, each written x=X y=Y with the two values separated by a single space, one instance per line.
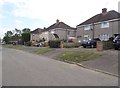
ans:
x=98 y=22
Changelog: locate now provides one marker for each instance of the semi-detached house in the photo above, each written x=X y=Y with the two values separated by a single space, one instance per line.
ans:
x=102 y=26
x=58 y=30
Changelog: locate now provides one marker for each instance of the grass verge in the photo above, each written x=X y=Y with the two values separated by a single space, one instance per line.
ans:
x=42 y=51
x=19 y=47
x=77 y=56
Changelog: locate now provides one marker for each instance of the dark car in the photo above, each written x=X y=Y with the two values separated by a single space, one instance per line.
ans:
x=92 y=43
x=116 y=42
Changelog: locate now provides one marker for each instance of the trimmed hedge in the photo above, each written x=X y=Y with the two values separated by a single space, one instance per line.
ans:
x=28 y=43
x=107 y=45
x=71 y=45
x=54 y=43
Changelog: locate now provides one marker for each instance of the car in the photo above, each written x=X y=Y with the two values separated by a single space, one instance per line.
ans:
x=92 y=43
x=116 y=42
x=40 y=44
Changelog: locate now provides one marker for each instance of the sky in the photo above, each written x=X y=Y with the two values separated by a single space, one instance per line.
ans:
x=34 y=14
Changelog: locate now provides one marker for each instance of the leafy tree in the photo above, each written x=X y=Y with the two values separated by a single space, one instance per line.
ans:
x=26 y=30
x=25 y=37
x=9 y=33
x=18 y=32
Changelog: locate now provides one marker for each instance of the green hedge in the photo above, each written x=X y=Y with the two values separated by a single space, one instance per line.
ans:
x=71 y=45
x=54 y=43
x=107 y=45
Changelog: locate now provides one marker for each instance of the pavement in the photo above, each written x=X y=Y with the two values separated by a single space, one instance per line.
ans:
x=21 y=68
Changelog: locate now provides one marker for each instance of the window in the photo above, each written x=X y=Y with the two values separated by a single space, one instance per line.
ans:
x=104 y=24
x=68 y=33
x=87 y=27
x=104 y=37
x=86 y=37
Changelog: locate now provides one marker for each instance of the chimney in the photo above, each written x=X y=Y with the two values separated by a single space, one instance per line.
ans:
x=104 y=11
x=57 y=21
x=44 y=28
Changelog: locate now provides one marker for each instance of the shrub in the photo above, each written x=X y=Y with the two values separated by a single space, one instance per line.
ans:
x=107 y=45
x=111 y=39
x=25 y=37
x=71 y=45
x=28 y=43
x=54 y=43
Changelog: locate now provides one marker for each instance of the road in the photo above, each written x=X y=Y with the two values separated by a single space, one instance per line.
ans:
x=21 y=68
x=0 y=65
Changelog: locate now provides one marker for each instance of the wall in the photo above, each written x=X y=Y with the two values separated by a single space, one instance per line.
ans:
x=113 y=29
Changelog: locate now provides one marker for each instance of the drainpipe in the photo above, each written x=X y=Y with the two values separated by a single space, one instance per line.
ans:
x=93 y=31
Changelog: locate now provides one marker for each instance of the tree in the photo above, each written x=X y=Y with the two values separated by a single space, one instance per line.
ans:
x=25 y=37
x=9 y=33
x=26 y=30
x=6 y=39
x=18 y=32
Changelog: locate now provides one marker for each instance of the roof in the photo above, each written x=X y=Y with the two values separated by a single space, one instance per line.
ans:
x=100 y=17
x=60 y=25
x=37 y=31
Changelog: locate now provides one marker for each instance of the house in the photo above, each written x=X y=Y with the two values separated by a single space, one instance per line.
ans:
x=102 y=26
x=35 y=34
x=60 y=30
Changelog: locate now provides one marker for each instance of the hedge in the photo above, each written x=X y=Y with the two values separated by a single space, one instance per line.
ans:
x=54 y=43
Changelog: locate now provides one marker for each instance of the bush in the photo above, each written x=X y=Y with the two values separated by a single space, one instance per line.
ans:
x=28 y=43
x=54 y=43
x=25 y=37
x=71 y=45
x=107 y=45
x=111 y=39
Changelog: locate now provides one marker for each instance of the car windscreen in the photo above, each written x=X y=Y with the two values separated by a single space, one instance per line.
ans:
x=117 y=37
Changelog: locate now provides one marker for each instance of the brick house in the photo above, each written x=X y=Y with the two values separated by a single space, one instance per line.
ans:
x=35 y=34
x=60 y=30
x=102 y=26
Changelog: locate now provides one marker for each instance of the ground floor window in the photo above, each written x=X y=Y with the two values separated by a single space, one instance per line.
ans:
x=104 y=37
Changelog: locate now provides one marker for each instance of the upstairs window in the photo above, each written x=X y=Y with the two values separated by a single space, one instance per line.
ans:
x=104 y=24
x=87 y=27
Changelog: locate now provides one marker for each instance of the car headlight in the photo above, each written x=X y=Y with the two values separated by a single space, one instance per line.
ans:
x=79 y=41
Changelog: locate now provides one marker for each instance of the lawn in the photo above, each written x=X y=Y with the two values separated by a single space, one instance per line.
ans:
x=77 y=56
x=19 y=47
x=42 y=51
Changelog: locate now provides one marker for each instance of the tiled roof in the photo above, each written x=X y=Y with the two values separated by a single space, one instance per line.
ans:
x=100 y=17
x=37 y=31
x=60 y=25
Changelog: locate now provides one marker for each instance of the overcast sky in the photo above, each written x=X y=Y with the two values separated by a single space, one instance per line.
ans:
x=42 y=13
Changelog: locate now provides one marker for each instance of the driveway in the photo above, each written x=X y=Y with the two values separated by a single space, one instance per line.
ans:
x=26 y=69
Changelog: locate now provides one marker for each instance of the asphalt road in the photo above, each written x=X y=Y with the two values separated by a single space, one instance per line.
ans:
x=0 y=65
x=21 y=68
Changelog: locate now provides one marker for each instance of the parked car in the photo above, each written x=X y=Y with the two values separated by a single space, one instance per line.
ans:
x=92 y=43
x=40 y=44
x=116 y=42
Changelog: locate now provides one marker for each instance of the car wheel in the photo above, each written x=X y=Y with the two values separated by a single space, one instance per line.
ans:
x=92 y=46
x=84 y=46
x=116 y=48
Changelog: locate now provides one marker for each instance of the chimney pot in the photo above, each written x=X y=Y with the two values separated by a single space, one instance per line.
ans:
x=57 y=21
x=104 y=10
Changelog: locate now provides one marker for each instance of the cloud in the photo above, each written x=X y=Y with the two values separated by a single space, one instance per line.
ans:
x=71 y=12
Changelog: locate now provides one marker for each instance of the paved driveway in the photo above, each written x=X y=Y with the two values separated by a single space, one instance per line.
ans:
x=25 y=69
